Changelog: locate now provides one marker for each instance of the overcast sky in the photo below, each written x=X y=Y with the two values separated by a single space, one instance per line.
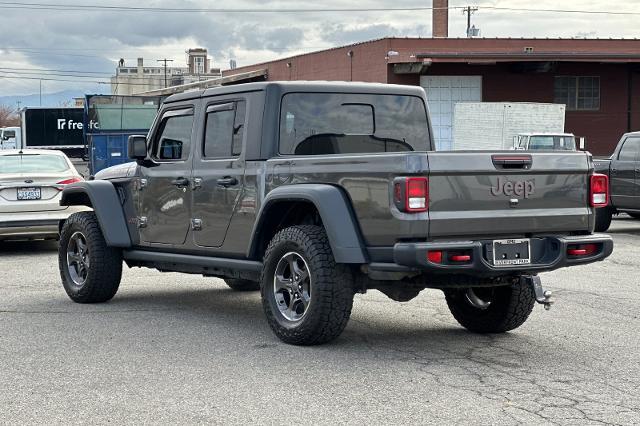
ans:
x=95 y=40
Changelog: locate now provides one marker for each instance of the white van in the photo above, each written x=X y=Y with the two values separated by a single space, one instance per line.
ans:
x=11 y=138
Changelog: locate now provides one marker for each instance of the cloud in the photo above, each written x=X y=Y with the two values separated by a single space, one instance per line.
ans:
x=347 y=34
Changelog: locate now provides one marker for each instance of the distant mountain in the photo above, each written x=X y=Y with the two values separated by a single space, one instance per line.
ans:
x=57 y=99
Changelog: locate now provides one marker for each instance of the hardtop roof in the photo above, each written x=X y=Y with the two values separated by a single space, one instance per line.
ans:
x=302 y=86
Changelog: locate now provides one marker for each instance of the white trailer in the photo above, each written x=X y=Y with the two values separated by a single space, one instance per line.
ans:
x=493 y=125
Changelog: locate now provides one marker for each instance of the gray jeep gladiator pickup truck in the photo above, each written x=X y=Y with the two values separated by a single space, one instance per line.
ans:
x=623 y=169
x=312 y=192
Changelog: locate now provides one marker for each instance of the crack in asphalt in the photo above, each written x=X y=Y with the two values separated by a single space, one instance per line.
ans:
x=497 y=373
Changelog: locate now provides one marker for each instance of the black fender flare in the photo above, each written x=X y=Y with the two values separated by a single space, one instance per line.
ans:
x=103 y=198
x=334 y=208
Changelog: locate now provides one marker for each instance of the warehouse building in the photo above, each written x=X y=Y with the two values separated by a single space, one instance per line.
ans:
x=597 y=79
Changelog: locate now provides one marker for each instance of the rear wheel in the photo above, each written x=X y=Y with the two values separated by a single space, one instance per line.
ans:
x=603 y=219
x=90 y=270
x=491 y=309
x=242 y=285
x=306 y=296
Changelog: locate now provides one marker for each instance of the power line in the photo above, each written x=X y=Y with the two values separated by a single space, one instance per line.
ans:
x=97 y=7
x=592 y=12
x=54 y=70
x=43 y=75
x=10 y=77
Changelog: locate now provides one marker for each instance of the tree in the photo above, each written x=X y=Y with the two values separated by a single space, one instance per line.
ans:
x=9 y=117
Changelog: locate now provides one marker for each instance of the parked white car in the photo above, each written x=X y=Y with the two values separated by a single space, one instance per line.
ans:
x=31 y=182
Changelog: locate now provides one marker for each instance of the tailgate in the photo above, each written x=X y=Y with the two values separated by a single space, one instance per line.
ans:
x=507 y=193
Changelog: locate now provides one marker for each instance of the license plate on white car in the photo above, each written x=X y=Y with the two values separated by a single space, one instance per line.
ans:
x=511 y=252
x=32 y=193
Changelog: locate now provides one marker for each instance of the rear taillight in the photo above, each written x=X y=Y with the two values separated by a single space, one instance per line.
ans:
x=70 y=181
x=599 y=190
x=579 y=250
x=411 y=194
x=434 y=256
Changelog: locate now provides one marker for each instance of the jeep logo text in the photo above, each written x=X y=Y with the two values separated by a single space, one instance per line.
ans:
x=521 y=188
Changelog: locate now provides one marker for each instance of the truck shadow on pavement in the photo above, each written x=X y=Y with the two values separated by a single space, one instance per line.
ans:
x=238 y=316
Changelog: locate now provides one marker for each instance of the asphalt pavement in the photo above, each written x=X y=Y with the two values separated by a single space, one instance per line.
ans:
x=175 y=348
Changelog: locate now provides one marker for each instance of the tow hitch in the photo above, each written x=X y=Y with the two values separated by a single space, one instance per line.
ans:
x=542 y=296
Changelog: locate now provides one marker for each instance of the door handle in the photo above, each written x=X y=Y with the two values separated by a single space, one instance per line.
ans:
x=179 y=182
x=637 y=170
x=227 y=181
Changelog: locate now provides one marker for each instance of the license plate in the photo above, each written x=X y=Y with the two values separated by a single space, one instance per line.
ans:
x=511 y=252
x=29 y=194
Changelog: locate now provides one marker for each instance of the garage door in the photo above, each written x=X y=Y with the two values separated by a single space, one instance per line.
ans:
x=443 y=92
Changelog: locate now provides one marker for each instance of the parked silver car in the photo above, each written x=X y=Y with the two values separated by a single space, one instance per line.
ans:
x=31 y=182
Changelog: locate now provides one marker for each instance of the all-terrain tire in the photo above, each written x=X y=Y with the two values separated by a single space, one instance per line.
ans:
x=101 y=279
x=508 y=309
x=603 y=219
x=331 y=287
x=242 y=285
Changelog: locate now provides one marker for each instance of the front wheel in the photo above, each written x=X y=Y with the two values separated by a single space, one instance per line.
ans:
x=306 y=296
x=90 y=270
x=491 y=309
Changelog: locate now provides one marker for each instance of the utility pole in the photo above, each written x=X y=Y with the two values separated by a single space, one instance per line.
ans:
x=165 y=60
x=469 y=11
x=18 y=103
x=41 y=92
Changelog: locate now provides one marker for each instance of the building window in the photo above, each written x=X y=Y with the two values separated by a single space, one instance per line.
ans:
x=199 y=65
x=577 y=93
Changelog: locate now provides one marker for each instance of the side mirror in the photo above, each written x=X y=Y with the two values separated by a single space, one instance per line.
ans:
x=137 y=147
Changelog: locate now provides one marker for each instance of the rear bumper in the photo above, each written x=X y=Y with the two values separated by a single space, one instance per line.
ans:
x=29 y=230
x=33 y=225
x=547 y=253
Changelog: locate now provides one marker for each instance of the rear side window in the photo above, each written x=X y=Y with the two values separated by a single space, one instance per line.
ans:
x=559 y=143
x=174 y=140
x=332 y=123
x=224 y=130
x=630 y=150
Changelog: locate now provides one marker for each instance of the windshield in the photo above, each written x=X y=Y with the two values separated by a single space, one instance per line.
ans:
x=332 y=123
x=32 y=163
x=561 y=143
